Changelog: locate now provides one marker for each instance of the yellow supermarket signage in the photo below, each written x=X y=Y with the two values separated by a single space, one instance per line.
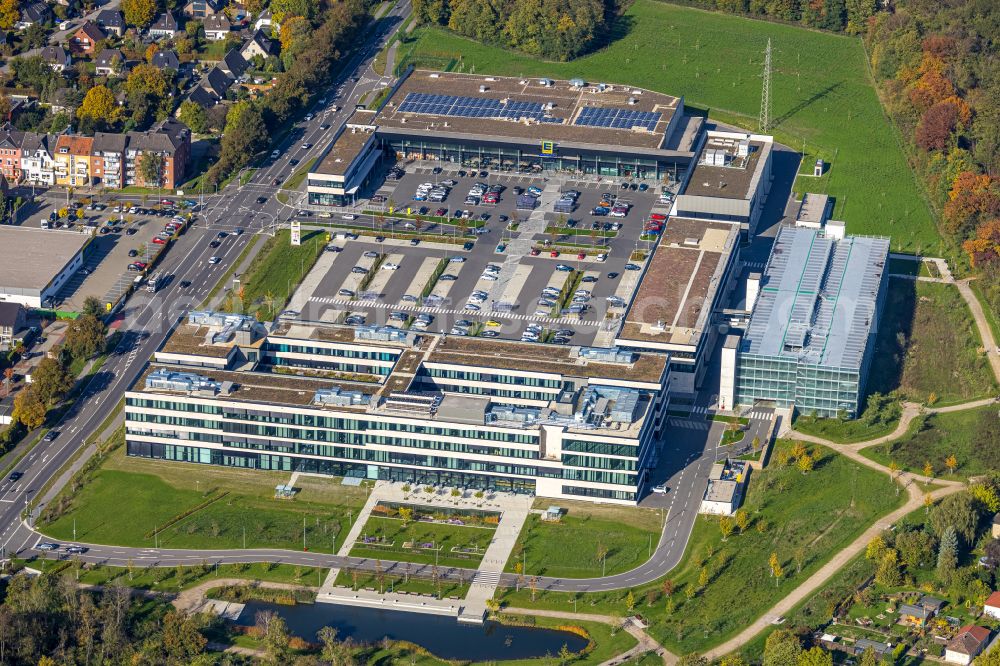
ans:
x=548 y=147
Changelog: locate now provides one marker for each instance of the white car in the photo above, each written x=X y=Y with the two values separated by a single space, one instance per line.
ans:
x=471 y=306
x=390 y=267
x=660 y=489
x=214 y=260
x=457 y=260
x=348 y=216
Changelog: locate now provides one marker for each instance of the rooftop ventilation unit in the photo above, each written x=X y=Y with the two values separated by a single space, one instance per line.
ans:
x=380 y=334
x=182 y=382
x=483 y=88
x=337 y=397
x=577 y=83
x=606 y=354
x=512 y=414
x=412 y=403
x=615 y=404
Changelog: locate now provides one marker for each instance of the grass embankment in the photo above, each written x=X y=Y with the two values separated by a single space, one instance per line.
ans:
x=295 y=180
x=446 y=545
x=175 y=579
x=803 y=518
x=402 y=582
x=620 y=536
x=191 y=506
x=972 y=436
x=277 y=270
x=828 y=111
x=928 y=350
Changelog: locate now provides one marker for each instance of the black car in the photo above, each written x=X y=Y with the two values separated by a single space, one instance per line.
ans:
x=612 y=276
x=133 y=253
x=130 y=231
x=214 y=243
x=185 y=284
x=261 y=200
x=15 y=476
x=293 y=161
x=50 y=436
x=468 y=246
x=222 y=234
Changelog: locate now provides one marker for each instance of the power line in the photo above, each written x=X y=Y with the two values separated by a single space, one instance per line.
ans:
x=764 y=122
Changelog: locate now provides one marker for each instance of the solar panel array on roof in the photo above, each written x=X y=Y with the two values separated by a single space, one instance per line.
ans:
x=595 y=116
x=474 y=107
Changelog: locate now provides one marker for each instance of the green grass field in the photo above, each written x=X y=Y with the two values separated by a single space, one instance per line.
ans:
x=158 y=494
x=623 y=534
x=805 y=519
x=928 y=343
x=277 y=270
x=444 y=538
x=824 y=103
x=972 y=436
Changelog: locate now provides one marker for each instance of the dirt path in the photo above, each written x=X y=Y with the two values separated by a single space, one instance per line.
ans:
x=645 y=642
x=193 y=597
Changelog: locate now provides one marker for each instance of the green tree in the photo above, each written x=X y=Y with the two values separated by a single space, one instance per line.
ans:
x=991 y=658
x=51 y=381
x=274 y=636
x=887 y=574
x=815 y=656
x=782 y=648
x=139 y=13
x=916 y=548
x=182 y=640
x=150 y=168
x=726 y=526
x=92 y=306
x=869 y=658
x=85 y=337
x=947 y=552
x=194 y=116
x=959 y=511
x=29 y=410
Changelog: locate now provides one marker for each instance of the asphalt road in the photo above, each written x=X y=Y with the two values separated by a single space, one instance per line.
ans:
x=685 y=456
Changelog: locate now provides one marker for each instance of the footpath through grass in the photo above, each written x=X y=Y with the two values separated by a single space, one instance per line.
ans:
x=423 y=542
x=823 y=98
x=972 y=436
x=193 y=506
x=722 y=586
x=618 y=537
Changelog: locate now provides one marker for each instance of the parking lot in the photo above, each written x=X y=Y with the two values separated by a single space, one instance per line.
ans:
x=121 y=238
x=528 y=281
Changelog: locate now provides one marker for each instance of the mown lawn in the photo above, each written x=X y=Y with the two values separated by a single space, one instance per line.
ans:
x=277 y=270
x=445 y=540
x=803 y=518
x=157 y=496
x=842 y=431
x=823 y=100
x=622 y=534
x=972 y=436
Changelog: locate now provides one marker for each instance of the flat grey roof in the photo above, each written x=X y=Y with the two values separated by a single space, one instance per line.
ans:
x=30 y=258
x=818 y=298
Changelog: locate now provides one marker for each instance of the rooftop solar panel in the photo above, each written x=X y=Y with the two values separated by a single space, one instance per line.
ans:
x=594 y=116
x=473 y=107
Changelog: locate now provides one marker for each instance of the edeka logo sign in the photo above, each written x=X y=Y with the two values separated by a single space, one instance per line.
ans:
x=548 y=147
x=296 y=232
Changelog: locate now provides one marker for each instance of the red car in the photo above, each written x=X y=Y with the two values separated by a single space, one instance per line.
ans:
x=659 y=217
x=535 y=252
x=441 y=212
x=159 y=241
x=554 y=253
x=582 y=255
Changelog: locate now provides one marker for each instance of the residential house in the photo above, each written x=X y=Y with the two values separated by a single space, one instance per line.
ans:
x=38 y=159
x=109 y=62
x=217 y=27
x=202 y=97
x=171 y=140
x=56 y=58
x=259 y=45
x=914 y=615
x=73 y=160
x=966 y=645
x=32 y=13
x=992 y=606
x=932 y=604
x=111 y=22
x=266 y=22
x=12 y=318
x=64 y=100
x=217 y=83
x=233 y=64
x=84 y=40
x=165 y=26
x=202 y=9
x=10 y=153
x=166 y=59
x=108 y=159
x=880 y=649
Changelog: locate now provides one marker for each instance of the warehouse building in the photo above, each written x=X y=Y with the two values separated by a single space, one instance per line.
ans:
x=36 y=263
x=381 y=403
x=811 y=336
x=516 y=125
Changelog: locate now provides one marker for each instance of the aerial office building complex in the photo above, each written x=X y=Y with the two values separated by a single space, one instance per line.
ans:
x=381 y=403
x=811 y=336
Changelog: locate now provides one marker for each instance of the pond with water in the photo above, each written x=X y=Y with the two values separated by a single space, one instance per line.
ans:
x=444 y=637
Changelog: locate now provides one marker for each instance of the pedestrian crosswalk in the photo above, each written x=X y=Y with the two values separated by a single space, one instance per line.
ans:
x=755 y=265
x=688 y=424
x=486 y=578
x=699 y=409
x=764 y=415
x=406 y=307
